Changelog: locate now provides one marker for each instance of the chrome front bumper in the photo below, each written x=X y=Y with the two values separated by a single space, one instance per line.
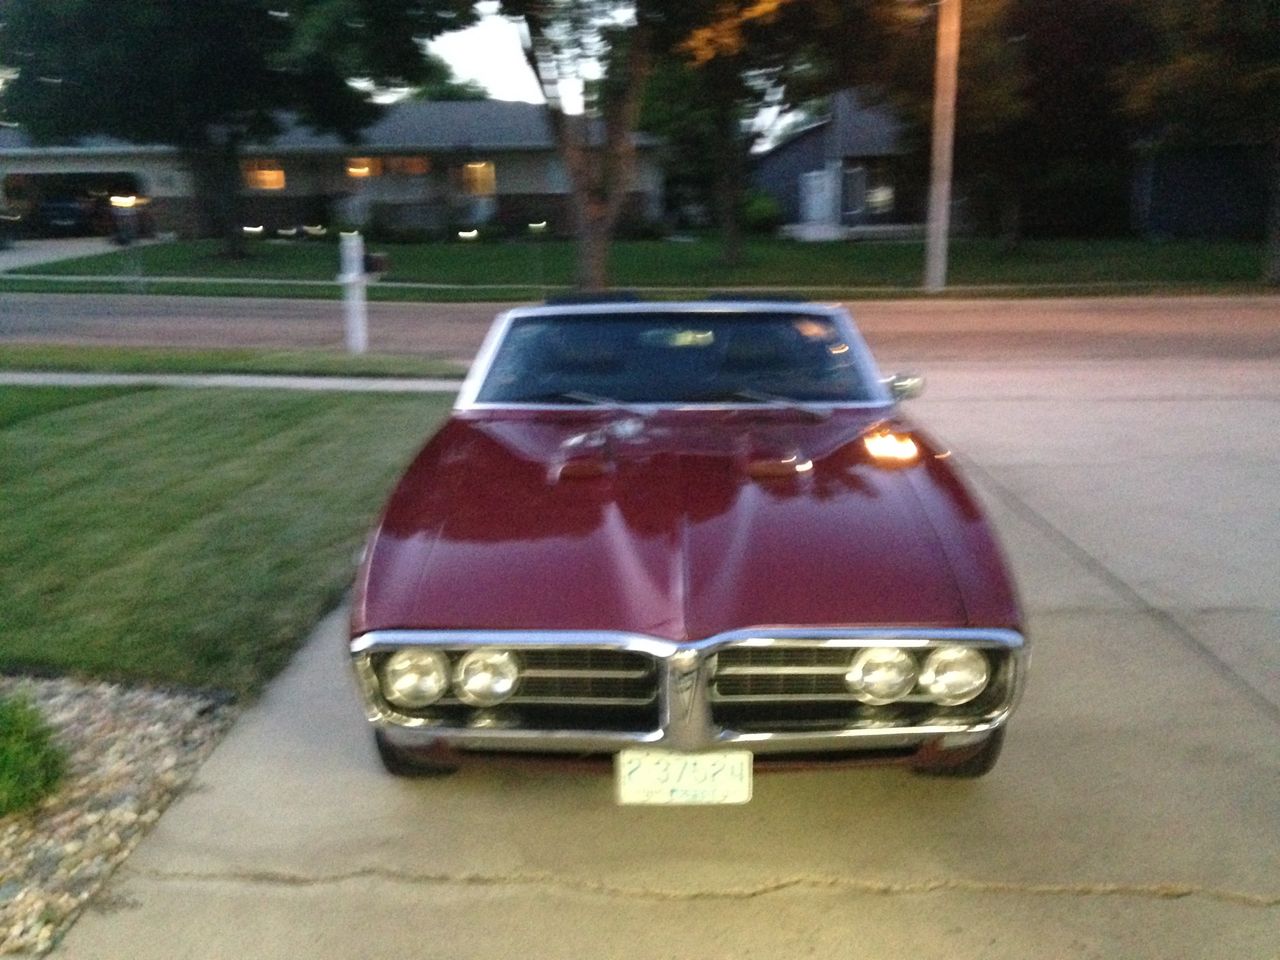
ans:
x=684 y=707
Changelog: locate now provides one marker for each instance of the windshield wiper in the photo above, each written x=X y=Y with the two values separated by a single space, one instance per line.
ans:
x=780 y=402
x=586 y=399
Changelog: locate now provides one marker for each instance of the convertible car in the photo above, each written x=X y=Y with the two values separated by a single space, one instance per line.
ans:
x=694 y=537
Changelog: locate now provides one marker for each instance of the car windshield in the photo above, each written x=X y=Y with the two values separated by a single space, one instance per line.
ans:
x=671 y=357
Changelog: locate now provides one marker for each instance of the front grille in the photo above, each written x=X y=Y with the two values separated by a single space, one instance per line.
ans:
x=587 y=677
x=781 y=673
x=800 y=686
x=565 y=688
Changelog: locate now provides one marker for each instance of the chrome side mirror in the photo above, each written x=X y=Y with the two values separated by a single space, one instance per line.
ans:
x=905 y=386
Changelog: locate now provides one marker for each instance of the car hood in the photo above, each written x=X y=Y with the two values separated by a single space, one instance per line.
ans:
x=681 y=525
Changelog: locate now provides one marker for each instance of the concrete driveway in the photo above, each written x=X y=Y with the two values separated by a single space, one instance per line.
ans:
x=1136 y=812
x=29 y=253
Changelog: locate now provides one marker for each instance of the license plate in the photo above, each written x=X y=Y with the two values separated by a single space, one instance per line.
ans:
x=662 y=777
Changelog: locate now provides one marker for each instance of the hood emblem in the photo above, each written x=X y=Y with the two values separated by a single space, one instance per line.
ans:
x=684 y=682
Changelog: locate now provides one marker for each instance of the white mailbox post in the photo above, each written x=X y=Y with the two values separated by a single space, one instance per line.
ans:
x=354 y=297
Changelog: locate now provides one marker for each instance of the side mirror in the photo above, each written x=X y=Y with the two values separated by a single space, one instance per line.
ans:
x=906 y=386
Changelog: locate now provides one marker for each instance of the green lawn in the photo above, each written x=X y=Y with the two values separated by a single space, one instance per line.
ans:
x=25 y=356
x=828 y=268
x=187 y=537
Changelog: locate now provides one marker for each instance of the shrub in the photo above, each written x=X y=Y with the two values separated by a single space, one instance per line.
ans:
x=31 y=764
x=761 y=213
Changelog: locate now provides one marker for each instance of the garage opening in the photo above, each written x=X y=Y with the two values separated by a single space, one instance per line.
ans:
x=67 y=204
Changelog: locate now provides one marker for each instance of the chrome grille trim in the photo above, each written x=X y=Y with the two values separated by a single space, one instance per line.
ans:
x=684 y=715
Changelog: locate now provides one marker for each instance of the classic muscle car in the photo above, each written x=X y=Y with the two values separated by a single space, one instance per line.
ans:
x=693 y=536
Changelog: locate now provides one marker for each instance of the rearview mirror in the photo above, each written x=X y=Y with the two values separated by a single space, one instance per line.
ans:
x=906 y=386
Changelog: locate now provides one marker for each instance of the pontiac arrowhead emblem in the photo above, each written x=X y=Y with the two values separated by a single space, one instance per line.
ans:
x=684 y=682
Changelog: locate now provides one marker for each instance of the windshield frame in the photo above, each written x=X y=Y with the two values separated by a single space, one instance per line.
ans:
x=483 y=364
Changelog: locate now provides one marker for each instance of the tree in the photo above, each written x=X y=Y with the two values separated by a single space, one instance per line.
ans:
x=1042 y=139
x=1215 y=77
x=209 y=77
x=606 y=49
x=439 y=83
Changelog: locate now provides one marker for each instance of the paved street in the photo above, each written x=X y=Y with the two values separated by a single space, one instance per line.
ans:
x=1129 y=455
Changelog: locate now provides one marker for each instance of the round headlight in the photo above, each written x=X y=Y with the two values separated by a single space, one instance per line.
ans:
x=415 y=678
x=484 y=678
x=881 y=675
x=954 y=675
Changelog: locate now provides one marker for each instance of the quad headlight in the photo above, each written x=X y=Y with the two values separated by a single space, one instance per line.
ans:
x=485 y=678
x=415 y=678
x=954 y=675
x=881 y=675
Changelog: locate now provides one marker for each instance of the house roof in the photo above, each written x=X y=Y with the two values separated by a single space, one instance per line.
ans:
x=860 y=129
x=411 y=125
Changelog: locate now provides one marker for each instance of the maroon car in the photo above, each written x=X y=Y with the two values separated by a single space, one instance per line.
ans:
x=688 y=536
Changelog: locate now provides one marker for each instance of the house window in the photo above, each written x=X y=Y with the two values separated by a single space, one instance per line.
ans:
x=408 y=166
x=263 y=174
x=361 y=167
x=479 y=179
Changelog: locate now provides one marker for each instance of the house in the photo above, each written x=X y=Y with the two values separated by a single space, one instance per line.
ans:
x=845 y=175
x=423 y=167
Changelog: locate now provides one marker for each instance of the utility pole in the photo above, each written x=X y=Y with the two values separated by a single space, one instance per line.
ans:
x=944 y=128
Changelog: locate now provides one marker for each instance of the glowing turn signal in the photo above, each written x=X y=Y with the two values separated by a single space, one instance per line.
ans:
x=894 y=447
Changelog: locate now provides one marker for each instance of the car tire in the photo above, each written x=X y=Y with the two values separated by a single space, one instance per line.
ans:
x=406 y=763
x=977 y=764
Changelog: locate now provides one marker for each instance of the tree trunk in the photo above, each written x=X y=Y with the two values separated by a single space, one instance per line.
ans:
x=1271 y=274
x=598 y=154
x=228 y=199
x=729 y=185
x=215 y=172
x=1010 y=220
x=594 y=230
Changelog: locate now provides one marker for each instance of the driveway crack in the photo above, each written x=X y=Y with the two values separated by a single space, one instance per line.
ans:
x=1155 y=891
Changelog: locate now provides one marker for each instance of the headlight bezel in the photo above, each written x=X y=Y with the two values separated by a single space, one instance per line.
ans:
x=400 y=662
x=934 y=690
x=506 y=662
x=879 y=657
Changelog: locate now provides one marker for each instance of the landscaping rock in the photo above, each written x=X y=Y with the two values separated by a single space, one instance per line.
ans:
x=130 y=751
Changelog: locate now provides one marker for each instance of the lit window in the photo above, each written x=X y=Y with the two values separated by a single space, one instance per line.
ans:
x=359 y=167
x=263 y=174
x=479 y=179
x=880 y=198
x=408 y=166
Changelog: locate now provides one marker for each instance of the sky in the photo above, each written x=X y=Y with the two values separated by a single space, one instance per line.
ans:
x=490 y=53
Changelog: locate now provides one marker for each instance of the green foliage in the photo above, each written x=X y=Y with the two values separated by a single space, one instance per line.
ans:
x=761 y=213
x=439 y=83
x=31 y=763
x=209 y=76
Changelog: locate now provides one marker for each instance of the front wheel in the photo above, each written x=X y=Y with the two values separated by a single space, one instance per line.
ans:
x=408 y=763
x=974 y=762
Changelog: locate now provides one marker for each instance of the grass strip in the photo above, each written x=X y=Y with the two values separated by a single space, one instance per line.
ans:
x=77 y=359
x=31 y=763
x=697 y=263
x=189 y=537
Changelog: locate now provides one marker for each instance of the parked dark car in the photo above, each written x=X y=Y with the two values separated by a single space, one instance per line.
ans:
x=64 y=217
x=691 y=536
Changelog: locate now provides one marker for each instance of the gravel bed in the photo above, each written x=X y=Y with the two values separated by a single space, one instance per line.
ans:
x=130 y=751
